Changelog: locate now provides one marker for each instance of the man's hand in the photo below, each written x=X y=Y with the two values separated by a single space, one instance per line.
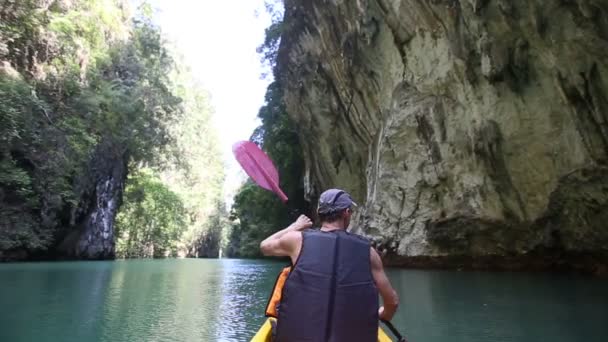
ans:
x=288 y=241
x=388 y=294
x=383 y=315
x=303 y=222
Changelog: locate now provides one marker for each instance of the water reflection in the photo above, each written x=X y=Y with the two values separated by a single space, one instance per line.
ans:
x=75 y=300
x=163 y=301
x=223 y=300
x=472 y=306
x=247 y=285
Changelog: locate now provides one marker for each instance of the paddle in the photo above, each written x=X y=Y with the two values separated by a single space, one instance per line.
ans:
x=392 y=328
x=258 y=166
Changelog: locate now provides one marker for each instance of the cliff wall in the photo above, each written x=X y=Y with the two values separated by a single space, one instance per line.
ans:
x=474 y=133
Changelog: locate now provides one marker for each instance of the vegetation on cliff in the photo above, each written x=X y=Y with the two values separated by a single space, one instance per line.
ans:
x=257 y=213
x=84 y=85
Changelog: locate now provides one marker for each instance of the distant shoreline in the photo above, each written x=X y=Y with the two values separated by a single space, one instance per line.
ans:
x=588 y=264
x=584 y=264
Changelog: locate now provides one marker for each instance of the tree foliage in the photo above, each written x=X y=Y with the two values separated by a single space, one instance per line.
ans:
x=151 y=220
x=198 y=176
x=257 y=213
x=272 y=34
x=76 y=75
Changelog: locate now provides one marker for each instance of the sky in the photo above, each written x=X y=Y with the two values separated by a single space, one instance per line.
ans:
x=218 y=39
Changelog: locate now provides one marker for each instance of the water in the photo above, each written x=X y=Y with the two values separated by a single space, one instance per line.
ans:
x=223 y=300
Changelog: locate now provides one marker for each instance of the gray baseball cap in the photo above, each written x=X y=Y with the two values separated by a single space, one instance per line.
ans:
x=334 y=200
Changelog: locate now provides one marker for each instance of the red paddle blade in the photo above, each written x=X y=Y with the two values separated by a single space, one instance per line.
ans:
x=258 y=166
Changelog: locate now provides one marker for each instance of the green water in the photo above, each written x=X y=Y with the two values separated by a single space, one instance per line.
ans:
x=222 y=300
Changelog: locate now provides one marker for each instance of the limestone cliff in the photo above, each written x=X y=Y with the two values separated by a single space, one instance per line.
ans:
x=474 y=132
x=101 y=192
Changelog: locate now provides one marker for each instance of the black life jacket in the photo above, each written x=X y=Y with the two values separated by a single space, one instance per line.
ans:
x=330 y=295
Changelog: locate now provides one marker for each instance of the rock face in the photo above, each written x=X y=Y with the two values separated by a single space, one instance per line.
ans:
x=102 y=193
x=97 y=235
x=475 y=132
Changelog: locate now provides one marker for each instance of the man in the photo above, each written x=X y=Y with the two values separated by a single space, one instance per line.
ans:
x=331 y=293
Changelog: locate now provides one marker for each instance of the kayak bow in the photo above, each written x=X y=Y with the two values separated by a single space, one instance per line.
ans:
x=265 y=333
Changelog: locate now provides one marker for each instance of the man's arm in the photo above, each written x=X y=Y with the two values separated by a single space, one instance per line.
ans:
x=390 y=299
x=281 y=242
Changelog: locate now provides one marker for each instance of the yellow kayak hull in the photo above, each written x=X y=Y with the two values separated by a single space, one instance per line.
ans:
x=265 y=333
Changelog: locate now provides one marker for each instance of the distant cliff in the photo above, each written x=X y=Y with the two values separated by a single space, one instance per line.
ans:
x=474 y=133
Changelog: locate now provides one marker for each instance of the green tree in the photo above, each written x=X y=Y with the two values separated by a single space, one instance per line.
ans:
x=198 y=176
x=151 y=220
x=84 y=86
x=257 y=213
x=269 y=49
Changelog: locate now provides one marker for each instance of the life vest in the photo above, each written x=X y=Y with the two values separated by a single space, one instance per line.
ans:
x=329 y=294
x=275 y=297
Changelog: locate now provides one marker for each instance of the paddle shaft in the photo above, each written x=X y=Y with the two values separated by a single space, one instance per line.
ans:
x=392 y=328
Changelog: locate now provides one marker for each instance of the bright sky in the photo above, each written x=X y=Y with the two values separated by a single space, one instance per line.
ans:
x=218 y=39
